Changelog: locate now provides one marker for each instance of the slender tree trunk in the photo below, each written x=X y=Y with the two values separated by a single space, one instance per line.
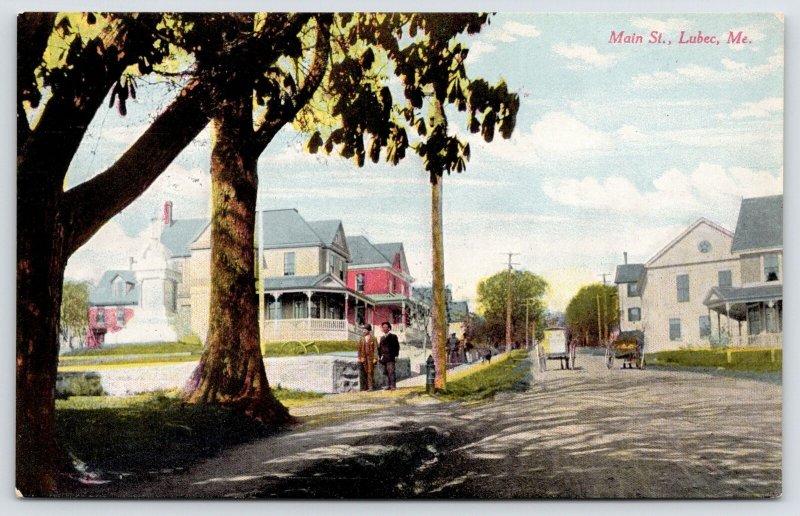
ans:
x=232 y=368
x=439 y=309
x=40 y=271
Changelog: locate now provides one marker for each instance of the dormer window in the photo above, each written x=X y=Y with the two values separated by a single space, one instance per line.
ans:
x=118 y=289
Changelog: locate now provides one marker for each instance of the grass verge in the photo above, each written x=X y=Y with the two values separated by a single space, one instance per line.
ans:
x=153 y=432
x=295 y=348
x=507 y=372
x=155 y=348
x=757 y=360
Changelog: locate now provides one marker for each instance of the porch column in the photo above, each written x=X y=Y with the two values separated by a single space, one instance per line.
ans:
x=719 y=326
x=403 y=313
x=308 y=309
x=346 y=314
x=278 y=315
x=728 y=317
x=371 y=315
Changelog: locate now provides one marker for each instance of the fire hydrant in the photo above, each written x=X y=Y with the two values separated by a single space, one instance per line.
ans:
x=430 y=375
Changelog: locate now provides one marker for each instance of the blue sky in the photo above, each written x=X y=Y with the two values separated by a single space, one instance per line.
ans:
x=617 y=148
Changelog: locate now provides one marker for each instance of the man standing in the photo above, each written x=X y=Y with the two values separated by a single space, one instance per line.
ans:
x=366 y=358
x=388 y=349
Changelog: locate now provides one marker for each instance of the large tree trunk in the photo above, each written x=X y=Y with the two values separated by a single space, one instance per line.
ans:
x=40 y=271
x=439 y=309
x=231 y=368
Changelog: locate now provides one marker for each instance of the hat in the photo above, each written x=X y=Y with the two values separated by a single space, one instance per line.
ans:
x=367 y=327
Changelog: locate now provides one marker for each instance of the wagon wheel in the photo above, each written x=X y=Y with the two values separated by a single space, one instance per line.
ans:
x=609 y=359
x=641 y=362
x=572 y=355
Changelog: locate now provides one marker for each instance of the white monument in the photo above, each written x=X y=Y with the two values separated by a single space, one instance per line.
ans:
x=155 y=317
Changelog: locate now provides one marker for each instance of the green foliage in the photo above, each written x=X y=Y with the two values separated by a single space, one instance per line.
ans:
x=74 y=311
x=485 y=383
x=737 y=359
x=582 y=312
x=285 y=349
x=78 y=384
x=191 y=340
x=293 y=395
x=492 y=302
x=156 y=348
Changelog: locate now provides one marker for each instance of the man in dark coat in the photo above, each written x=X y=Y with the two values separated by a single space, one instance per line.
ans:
x=388 y=349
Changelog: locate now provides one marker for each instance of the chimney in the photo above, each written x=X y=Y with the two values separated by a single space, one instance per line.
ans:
x=168 y=213
x=625 y=254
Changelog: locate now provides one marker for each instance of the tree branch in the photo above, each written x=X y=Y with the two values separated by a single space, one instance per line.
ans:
x=319 y=66
x=89 y=205
x=33 y=31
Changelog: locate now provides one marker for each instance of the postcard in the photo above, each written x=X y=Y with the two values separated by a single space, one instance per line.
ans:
x=399 y=255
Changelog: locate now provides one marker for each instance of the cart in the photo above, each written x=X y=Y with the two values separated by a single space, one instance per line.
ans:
x=628 y=347
x=555 y=346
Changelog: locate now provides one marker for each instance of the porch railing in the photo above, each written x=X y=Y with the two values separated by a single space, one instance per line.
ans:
x=762 y=340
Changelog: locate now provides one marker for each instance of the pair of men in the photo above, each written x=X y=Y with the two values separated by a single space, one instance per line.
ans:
x=370 y=351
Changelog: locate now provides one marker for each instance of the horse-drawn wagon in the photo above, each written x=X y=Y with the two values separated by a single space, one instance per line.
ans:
x=556 y=346
x=628 y=346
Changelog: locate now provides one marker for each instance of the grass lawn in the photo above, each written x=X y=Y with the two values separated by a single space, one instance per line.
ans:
x=155 y=431
x=295 y=348
x=736 y=359
x=505 y=372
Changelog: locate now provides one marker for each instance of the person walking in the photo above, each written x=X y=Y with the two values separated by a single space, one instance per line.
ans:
x=367 y=358
x=388 y=349
x=452 y=349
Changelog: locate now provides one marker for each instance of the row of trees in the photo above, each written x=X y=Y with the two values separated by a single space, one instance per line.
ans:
x=593 y=313
x=527 y=304
x=249 y=75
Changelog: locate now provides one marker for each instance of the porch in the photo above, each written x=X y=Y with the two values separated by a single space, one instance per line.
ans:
x=753 y=315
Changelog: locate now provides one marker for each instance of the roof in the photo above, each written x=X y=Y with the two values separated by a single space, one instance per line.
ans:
x=363 y=252
x=180 y=234
x=293 y=282
x=760 y=224
x=629 y=273
x=326 y=230
x=730 y=295
x=285 y=228
x=103 y=294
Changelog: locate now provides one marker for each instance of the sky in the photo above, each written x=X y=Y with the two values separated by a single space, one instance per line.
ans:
x=618 y=147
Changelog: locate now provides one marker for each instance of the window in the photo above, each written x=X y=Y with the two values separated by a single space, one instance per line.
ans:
x=101 y=317
x=397 y=317
x=725 y=279
x=288 y=264
x=682 y=281
x=331 y=263
x=120 y=317
x=360 y=282
x=674 y=329
x=341 y=270
x=633 y=290
x=634 y=314
x=705 y=326
x=300 y=309
x=771 y=267
x=272 y=310
x=754 y=320
x=391 y=285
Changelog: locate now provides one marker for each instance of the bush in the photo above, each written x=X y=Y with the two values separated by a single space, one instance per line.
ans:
x=739 y=359
x=78 y=384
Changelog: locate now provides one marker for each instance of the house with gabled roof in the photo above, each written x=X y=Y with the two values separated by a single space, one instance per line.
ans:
x=666 y=293
x=117 y=297
x=755 y=301
x=301 y=280
x=381 y=272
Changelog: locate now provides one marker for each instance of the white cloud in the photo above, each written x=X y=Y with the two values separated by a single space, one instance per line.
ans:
x=110 y=248
x=510 y=31
x=587 y=56
x=761 y=109
x=561 y=134
x=666 y=26
x=709 y=190
x=478 y=49
x=731 y=71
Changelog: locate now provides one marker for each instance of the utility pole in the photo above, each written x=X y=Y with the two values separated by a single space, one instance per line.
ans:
x=604 y=278
x=508 y=301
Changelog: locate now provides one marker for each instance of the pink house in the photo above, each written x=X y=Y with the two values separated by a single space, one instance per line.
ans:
x=111 y=305
x=380 y=271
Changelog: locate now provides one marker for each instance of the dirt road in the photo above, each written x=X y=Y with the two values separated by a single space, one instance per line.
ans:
x=587 y=433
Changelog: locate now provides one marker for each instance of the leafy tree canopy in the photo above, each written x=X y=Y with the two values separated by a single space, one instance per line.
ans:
x=526 y=287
